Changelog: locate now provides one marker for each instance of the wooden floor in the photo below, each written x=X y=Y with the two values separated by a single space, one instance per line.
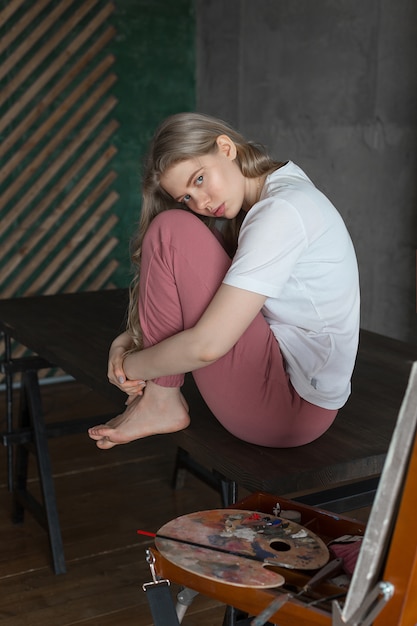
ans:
x=103 y=498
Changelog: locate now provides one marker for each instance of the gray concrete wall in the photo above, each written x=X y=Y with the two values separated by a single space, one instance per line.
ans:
x=332 y=85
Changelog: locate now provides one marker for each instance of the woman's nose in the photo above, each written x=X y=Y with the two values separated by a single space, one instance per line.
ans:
x=202 y=202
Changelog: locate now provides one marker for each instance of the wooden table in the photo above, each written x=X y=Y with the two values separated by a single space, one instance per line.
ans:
x=350 y=454
x=74 y=331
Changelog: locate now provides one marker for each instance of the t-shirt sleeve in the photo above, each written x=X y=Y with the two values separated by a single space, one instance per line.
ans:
x=271 y=240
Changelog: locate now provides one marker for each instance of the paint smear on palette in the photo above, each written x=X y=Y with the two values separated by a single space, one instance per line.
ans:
x=219 y=566
x=234 y=546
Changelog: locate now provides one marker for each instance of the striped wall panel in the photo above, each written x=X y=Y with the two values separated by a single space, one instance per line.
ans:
x=57 y=199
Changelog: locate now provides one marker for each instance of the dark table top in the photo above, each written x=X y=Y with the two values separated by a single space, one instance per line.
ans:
x=74 y=332
x=353 y=449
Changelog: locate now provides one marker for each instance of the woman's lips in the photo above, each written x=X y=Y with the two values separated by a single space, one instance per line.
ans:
x=219 y=212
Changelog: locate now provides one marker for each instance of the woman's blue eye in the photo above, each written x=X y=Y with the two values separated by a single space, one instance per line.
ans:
x=198 y=181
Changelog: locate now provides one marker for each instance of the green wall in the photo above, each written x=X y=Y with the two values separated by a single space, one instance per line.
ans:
x=56 y=231
x=155 y=63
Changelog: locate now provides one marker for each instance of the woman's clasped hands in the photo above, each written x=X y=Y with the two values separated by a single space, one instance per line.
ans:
x=115 y=372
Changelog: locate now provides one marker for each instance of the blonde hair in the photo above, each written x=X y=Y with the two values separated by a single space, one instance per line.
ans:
x=181 y=137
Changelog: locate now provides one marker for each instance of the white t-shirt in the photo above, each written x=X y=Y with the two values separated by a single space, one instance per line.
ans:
x=295 y=249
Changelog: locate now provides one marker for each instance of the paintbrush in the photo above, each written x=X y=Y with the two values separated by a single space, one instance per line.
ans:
x=195 y=544
x=330 y=568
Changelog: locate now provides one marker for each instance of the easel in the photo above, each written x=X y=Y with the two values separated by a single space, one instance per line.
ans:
x=390 y=543
x=384 y=584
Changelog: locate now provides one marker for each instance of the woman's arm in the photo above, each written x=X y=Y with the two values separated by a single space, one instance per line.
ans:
x=225 y=320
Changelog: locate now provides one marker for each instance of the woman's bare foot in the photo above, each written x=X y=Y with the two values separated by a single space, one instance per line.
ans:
x=160 y=410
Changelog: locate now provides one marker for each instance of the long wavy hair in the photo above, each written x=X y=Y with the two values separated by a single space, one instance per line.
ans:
x=181 y=137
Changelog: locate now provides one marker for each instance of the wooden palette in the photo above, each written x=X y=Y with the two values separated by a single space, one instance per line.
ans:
x=236 y=546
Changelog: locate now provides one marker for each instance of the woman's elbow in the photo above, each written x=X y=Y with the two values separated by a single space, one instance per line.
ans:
x=210 y=353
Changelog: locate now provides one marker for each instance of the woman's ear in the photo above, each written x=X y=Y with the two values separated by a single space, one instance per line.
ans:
x=227 y=146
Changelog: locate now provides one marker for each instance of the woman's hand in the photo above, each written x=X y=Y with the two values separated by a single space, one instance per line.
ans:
x=115 y=371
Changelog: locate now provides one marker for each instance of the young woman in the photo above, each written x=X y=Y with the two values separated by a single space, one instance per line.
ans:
x=265 y=313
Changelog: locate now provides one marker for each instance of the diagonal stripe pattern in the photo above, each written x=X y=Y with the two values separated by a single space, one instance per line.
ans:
x=57 y=202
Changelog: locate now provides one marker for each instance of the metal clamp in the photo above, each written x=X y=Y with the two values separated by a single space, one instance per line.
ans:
x=370 y=608
x=150 y=559
x=159 y=597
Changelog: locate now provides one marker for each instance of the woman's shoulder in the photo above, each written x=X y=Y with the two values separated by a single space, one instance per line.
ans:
x=288 y=175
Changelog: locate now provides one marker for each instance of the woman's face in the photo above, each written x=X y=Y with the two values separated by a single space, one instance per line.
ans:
x=210 y=185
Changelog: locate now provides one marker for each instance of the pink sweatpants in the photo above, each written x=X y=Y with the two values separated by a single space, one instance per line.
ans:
x=248 y=389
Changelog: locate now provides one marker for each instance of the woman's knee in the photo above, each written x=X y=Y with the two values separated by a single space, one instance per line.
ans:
x=183 y=231
x=172 y=222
